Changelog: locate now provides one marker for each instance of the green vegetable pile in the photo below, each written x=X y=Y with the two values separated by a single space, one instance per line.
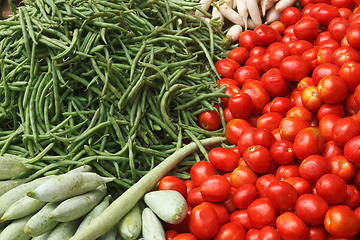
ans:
x=116 y=85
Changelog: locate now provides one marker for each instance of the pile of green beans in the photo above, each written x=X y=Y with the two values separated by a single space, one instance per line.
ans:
x=114 y=84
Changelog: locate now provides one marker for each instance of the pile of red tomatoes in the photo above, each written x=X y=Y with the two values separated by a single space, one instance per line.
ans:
x=293 y=118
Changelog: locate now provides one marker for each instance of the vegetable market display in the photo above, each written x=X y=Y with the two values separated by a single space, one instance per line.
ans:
x=287 y=100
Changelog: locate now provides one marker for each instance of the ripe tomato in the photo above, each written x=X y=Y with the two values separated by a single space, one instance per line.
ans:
x=255 y=61
x=173 y=183
x=317 y=233
x=336 y=109
x=306 y=29
x=264 y=35
x=311 y=99
x=231 y=230
x=282 y=152
x=310 y=56
x=344 y=130
x=227 y=115
x=351 y=106
x=254 y=136
x=294 y=68
x=291 y=227
x=246 y=72
x=281 y=105
x=345 y=54
x=263 y=182
x=300 y=46
x=245 y=195
x=341 y=221
x=241 y=176
x=215 y=188
x=231 y=91
x=228 y=203
x=343 y=4
x=330 y=150
x=301 y=185
x=278 y=53
x=258 y=94
x=262 y=213
x=278 y=26
x=313 y=167
x=342 y=167
x=326 y=125
x=258 y=158
x=300 y=112
x=241 y=217
x=308 y=142
x=291 y=126
x=221 y=211
x=350 y=72
x=201 y=171
x=269 y=233
x=209 y=120
x=326 y=13
x=282 y=195
x=351 y=150
x=353 y=34
x=204 y=222
x=226 y=68
x=290 y=16
x=253 y=234
x=323 y=70
x=353 y=197
x=331 y=188
x=239 y=54
x=325 y=54
x=311 y=209
x=338 y=27
x=234 y=129
x=246 y=40
x=184 y=236
x=171 y=234
x=332 y=89
x=269 y=121
x=274 y=83
x=223 y=159
x=241 y=105
x=195 y=197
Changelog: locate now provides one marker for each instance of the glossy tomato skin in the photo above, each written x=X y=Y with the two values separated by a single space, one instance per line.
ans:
x=281 y=105
x=239 y=54
x=350 y=72
x=209 y=120
x=342 y=167
x=195 y=197
x=242 y=175
x=173 y=183
x=262 y=213
x=286 y=171
x=290 y=16
x=311 y=209
x=291 y=126
x=246 y=72
x=263 y=182
x=223 y=159
x=294 y=68
x=353 y=34
x=185 y=236
x=323 y=70
x=337 y=109
x=308 y=142
x=301 y=185
x=245 y=195
x=241 y=217
x=282 y=152
x=306 y=29
x=338 y=27
x=254 y=136
x=311 y=99
x=253 y=234
x=240 y=105
x=226 y=68
x=344 y=130
x=204 y=222
x=201 y=171
x=300 y=112
x=274 y=83
x=258 y=94
x=246 y=40
x=317 y=233
x=326 y=13
x=332 y=89
x=234 y=129
x=269 y=121
x=344 y=54
x=269 y=233
x=313 y=167
x=291 y=227
x=231 y=230
x=171 y=234
x=258 y=158
x=326 y=125
x=221 y=211
x=264 y=35
x=351 y=150
x=331 y=188
x=353 y=197
x=215 y=188
x=341 y=222
x=281 y=194
x=330 y=150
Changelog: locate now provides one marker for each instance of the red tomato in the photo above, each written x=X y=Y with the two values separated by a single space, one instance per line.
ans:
x=231 y=91
x=241 y=217
x=294 y=68
x=227 y=82
x=304 y=83
x=310 y=99
x=291 y=227
x=281 y=105
x=189 y=186
x=301 y=185
x=195 y=197
x=310 y=56
x=344 y=54
x=345 y=12
x=234 y=129
x=246 y=40
x=228 y=203
x=263 y=182
x=342 y=167
x=350 y=72
x=325 y=54
x=332 y=89
x=246 y=72
x=241 y=105
x=241 y=176
x=291 y=126
x=258 y=94
x=265 y=62
x=311 y=209
x=330 y=150
x=338 y=27
x=290 y=16
x=255 y=61
x=344 y=130
x=269 y=121
x=254 y=136
x=317 y=233
x=264 y=35
x=278 y=26
x=336 y=109
x=278 y=53
x=353 y=34
x=209 y=120
x=245 y=195
x=300 y=112
x=351 y=150
x=282 y=152
x=326 y=124
x=201 y=171
x=230 y=231
x=269 y=233
x=171 y=234
x=274 y=83
x=262 y=213
x=323 y=70
x=239 y=54
x=226 y=68
x=204 y=222
x=313 y=167
x=351 y=106
x=306 y=29
x=326 y=13
x=184 y=236
x=343 y=4
x=300 y=46
x=221 y=211
x=227 y=115
x=308 y=142
x=282 y=195
x=322 y=37
x=215 y=188
x=341 y=221
x=258 y=158
x=223 y=159
x=331 y=188
x=353 y=197
x=253 y=234
x=258 y=51
x=173 y=183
